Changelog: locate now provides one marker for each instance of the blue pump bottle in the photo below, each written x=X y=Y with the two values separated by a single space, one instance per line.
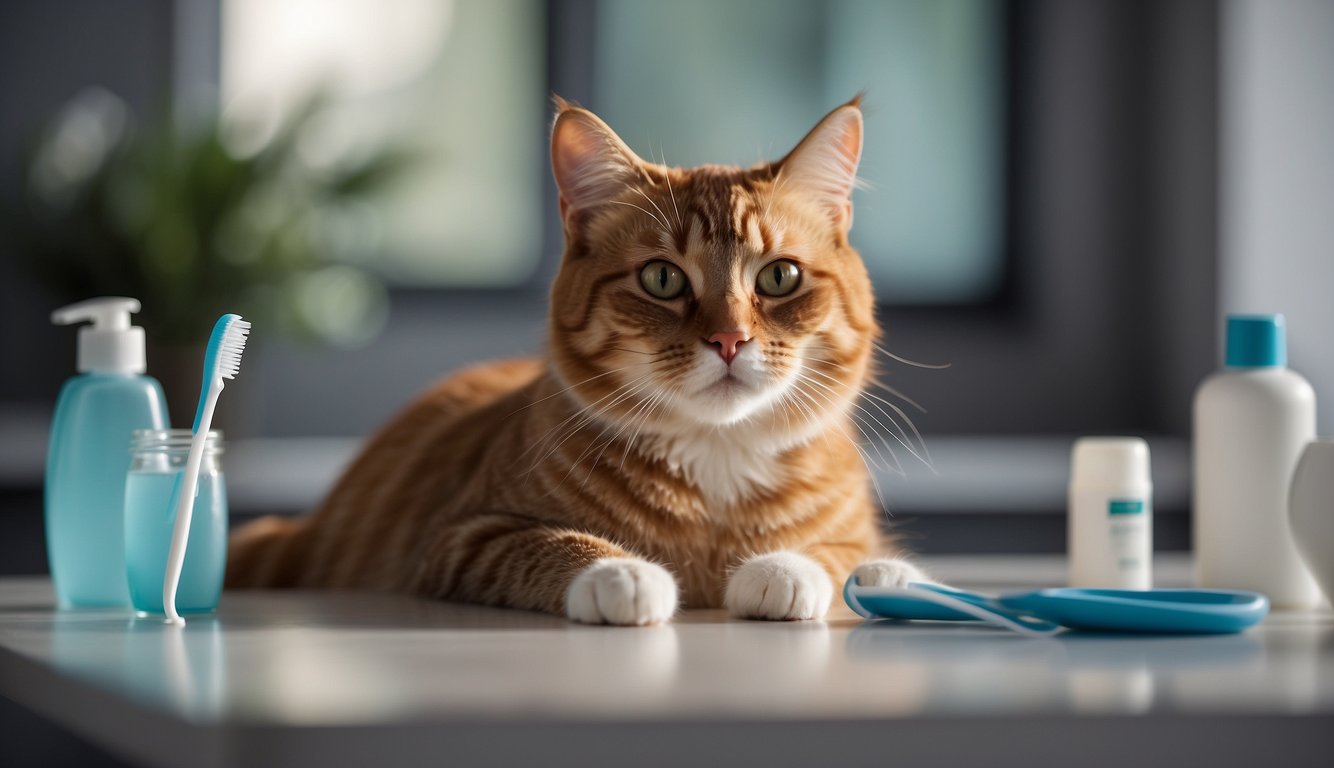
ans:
x=89 y=454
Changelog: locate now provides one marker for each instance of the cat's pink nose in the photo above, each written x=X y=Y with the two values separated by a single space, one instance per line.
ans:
x=729 y=343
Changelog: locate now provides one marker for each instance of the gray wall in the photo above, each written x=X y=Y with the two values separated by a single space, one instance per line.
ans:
x=49 y=52
x=1109 y=321
x=1107 y=327
x=1277 y=193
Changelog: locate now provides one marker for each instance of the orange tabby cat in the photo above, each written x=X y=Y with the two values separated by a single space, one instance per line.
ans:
x=685 y=440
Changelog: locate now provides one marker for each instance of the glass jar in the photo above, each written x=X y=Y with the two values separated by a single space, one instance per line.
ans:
x=157 y=463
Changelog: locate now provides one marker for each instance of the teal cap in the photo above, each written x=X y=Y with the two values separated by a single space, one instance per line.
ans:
x=1256 y=341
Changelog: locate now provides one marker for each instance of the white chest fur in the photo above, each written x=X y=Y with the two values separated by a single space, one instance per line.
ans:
x=727 y=465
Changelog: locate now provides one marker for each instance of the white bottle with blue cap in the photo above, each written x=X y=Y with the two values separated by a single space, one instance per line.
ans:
x=1252 y=420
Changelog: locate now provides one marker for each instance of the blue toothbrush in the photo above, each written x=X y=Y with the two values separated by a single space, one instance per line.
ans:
x=222 y=360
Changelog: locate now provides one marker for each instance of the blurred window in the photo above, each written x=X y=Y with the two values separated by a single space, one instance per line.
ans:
x=688 y=81
x=460 y=84
x=741 y=81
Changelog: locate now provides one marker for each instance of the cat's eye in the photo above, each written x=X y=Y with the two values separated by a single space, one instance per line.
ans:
x=663 y=280
x=779 y=278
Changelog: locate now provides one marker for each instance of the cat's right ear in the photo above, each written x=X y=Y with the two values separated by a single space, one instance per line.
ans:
x=825 y=162
x=591 y=164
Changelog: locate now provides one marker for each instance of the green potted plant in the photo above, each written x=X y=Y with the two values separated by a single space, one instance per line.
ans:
x=180 y=218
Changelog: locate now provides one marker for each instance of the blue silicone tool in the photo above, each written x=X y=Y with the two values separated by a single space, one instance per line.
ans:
x=1155 y=611
x=1174 y=611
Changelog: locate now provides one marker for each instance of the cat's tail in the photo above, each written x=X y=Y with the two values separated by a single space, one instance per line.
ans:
x=268 y=553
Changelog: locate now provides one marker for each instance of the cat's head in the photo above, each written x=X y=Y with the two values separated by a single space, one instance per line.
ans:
x=710 y=296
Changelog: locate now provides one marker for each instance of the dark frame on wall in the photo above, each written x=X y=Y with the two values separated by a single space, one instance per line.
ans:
x=1110 y=233
x=1109 y=230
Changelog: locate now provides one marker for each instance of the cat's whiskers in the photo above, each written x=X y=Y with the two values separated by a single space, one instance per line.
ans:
x=583 y=416
x=593 y=417
x=868 y=432
x=624 y=425
x=900 y=434
x=902 y=414
x=871 y=467
x=572 y=386
x=774 y=187
x=621 y=425
x=633 y=351
x=917 y=435
x=878 y=384
x=861 y=452
x=870 y=472
x=827 y=402
x=872 y=380
x=913 y=363
x=786 y=399
x=647 y=212
x=775 y=407
x=663 y=221
x=835 y=396
x=667 y=176
x=579 y=411
x=654 y=402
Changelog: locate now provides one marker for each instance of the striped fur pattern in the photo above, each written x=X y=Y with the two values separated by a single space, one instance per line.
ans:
x=633 y=469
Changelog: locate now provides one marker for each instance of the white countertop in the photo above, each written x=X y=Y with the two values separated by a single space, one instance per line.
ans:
x=341 y=678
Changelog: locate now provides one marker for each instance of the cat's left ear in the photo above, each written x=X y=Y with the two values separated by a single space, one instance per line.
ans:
x=591 y=164
x=825 y=162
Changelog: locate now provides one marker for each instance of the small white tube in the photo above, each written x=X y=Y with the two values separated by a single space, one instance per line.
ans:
x=1110 y=514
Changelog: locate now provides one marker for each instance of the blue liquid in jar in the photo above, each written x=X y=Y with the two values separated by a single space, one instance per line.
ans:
x=149 y=521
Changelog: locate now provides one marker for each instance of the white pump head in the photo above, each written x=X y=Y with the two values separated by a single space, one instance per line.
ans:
x=110 y=344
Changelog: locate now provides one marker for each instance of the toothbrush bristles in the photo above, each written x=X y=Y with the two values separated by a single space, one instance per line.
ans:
x=233 y=344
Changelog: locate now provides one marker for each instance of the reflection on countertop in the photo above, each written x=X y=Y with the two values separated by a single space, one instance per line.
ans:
x=313 y=659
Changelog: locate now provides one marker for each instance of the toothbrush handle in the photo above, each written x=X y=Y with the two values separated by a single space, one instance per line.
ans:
x=185 y=503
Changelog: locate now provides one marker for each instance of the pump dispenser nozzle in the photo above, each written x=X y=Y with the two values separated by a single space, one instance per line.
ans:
x=110 y=344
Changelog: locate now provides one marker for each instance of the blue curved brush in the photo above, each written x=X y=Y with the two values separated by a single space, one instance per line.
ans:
x=936 y=602
x=1046 y=611
x=222 y=360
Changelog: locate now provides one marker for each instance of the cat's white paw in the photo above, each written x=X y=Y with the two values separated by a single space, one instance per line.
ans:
x=888 y=572
x=779 y=585
x=621 y=590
